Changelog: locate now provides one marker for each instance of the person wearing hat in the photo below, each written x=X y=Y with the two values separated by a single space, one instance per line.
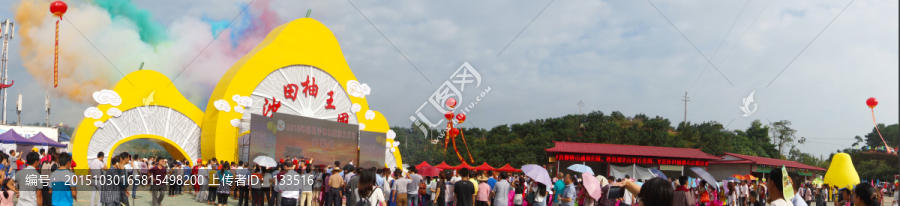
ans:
x=335 y=183
x=482 y=198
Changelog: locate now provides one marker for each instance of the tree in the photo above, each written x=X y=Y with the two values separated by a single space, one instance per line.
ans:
x=858 y=140
x=889 y=133
x=783 y=136
x=524 y=143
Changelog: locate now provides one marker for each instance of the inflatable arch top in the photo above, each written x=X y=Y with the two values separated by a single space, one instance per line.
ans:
x=301 y=53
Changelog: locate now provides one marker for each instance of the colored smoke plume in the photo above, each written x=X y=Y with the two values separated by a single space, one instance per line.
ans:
x=127 y=36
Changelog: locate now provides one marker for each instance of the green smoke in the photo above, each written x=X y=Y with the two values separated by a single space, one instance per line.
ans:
x=150 y=31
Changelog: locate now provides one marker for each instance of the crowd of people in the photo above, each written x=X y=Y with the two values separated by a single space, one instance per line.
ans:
x=677 y=192
x=297 y=182
x=37 y=178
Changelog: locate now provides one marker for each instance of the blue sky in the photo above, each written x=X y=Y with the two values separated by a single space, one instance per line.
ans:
x=612 y=55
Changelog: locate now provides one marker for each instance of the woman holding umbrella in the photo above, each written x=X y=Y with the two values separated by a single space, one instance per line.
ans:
x=519 y=186
x=540 y=196
x=604 y=188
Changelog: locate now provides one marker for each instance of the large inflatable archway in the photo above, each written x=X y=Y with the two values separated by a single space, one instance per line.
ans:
x=300 y=55
x=147 y=107
x=293 y=57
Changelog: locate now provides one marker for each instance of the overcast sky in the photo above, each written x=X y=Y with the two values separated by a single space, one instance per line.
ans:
x=612 y=55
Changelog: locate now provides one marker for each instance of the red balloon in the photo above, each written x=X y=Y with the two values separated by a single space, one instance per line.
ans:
x=449 y=115
x=872 y=102
x=461 y=118
x=454 y=132
x=58 y=8
x=451 y=102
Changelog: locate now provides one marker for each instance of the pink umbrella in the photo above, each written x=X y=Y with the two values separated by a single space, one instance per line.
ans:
x=592 y=185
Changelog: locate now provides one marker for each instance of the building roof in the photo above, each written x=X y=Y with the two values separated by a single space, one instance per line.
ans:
x=629 y=150
x=766 y=161
x=732 y=162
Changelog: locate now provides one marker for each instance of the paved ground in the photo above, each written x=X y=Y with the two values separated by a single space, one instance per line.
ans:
x=188 y=200
x=144 y=199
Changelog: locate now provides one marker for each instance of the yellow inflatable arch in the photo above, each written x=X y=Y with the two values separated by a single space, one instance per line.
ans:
x=302 y=54
x=150 y=109
x=295 y=52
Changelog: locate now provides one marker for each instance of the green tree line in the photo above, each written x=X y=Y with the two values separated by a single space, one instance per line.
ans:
x=524 y=143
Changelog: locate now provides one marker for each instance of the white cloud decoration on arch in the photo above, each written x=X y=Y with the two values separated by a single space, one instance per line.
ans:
x=93 y=112
x=107 y=97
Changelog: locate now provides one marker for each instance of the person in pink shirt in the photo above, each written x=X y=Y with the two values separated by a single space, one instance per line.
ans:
x=484 y=192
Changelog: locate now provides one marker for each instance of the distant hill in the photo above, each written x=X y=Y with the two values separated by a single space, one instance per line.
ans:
x=143 y=148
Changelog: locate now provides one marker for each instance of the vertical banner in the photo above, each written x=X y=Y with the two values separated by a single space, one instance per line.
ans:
x=56 y=58
x=371 y=149
x=285 y=135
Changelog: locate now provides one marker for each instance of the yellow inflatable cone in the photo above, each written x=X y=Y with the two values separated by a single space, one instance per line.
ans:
x=841 y=173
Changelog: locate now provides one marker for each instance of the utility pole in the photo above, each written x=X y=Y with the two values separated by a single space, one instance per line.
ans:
x=47 y=107
x=19 y=110
x=8 y=32
x=686 y=99
x=580 y=105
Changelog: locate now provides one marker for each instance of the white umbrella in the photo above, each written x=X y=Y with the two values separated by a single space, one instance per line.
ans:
x=581 y=168
x=538 y=173
x=265 y=161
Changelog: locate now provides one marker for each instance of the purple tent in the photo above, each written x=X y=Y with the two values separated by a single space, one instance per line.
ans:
x=11 y=137
x=45 y=141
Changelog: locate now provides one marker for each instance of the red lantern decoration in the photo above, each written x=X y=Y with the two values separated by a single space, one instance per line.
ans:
x=461 y=118
x=454 y=132
x=449 y=115
x=58 y=8
x=451 y=102
x=872 y=102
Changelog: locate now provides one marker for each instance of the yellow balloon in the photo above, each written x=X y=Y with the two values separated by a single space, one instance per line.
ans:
x=841 y=173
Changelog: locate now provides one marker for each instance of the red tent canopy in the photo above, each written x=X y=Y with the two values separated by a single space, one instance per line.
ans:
x=506 y=168
x=484 y=167
x=463 y=165
x=444 y=165
x=424 y=163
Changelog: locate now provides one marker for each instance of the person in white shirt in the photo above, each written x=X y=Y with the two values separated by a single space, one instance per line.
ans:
x=776 y=196
x=745 y=190
x=368 y=192
x=896 y=195
x=628 y=198
x=798 y=199
x=290 y=190
x=97 y=167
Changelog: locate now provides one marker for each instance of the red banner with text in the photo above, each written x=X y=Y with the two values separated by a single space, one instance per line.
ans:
x=630 y=159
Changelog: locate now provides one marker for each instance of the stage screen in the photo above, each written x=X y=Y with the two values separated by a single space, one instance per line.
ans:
x=371 y=149
x=288 y=135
